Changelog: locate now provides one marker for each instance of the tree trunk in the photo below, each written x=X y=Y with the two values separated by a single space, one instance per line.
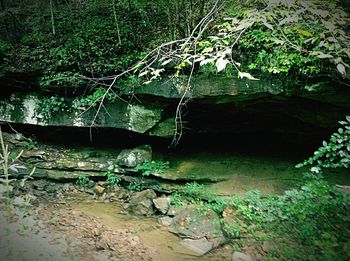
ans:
x=52 y=18
x=116 y=22
x=2 y=6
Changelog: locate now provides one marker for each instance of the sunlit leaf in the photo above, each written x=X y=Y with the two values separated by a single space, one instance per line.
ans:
x=243 y=26
x=221 y=64
x=235 y=20
x=206 y=61
x=319 y=12
x=341 y=69
x=347 y=52
x=208 y=50
x=304 y=32
x=269 y=26
x=166 y=62
x=246 y=75
x=157 y=72
x=329 y=25
x=288 y=20
x=16 y=167
x=281 y=42
x=324 y=55
x=143 y=73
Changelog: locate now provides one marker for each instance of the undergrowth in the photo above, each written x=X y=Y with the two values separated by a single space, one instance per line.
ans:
x=310 y=222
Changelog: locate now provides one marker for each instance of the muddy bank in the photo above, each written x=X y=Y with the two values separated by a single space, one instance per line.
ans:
x=59 y=222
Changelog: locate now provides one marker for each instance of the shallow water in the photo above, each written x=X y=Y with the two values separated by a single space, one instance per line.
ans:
x=166 y=245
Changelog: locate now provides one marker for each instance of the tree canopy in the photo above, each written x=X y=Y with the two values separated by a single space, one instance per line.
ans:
x=60 y=41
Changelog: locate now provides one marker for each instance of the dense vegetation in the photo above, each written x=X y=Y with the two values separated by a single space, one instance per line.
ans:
x=57 y=42
x=63 y=43
x=309 y=222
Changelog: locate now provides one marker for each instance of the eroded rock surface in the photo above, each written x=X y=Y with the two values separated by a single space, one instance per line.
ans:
x=201 y=228
x=217 y=105
x=141 y=203
x=199 y=246
x=162 y=204
x=132 y=157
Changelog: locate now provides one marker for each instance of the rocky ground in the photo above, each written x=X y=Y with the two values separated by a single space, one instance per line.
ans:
x=47 y=212
x=70 y=234
x=43 y=213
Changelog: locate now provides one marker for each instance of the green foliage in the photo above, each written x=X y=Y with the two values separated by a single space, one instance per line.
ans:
x=301 y=221
x=9 y=162
x=49 y=106
x=315 y=216
x=135 y=186
x=92 y=100
x=61 y=79
x=333 y=154
x=5 y=49
x=176 y=200
x=199 y=194
x=291 y=39
x=194 y=190
x=287 y=38
x=112 y=179
x=93 y=38
x=309 y=222
x=30 y=143
x=83 y=181
x=149 y=167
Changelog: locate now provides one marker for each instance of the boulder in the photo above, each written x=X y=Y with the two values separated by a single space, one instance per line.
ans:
x=238 y=256
x=132 y=157
x=165 y=221
x=195 y=224
x=162 y=204
x=141 y=203
x=199 y=246
x=98 y=189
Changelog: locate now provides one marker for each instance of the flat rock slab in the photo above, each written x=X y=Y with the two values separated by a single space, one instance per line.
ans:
x=238 y=256
x=199 y=246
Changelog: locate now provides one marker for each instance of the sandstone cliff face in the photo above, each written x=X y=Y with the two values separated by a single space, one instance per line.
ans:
x=216 y=105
